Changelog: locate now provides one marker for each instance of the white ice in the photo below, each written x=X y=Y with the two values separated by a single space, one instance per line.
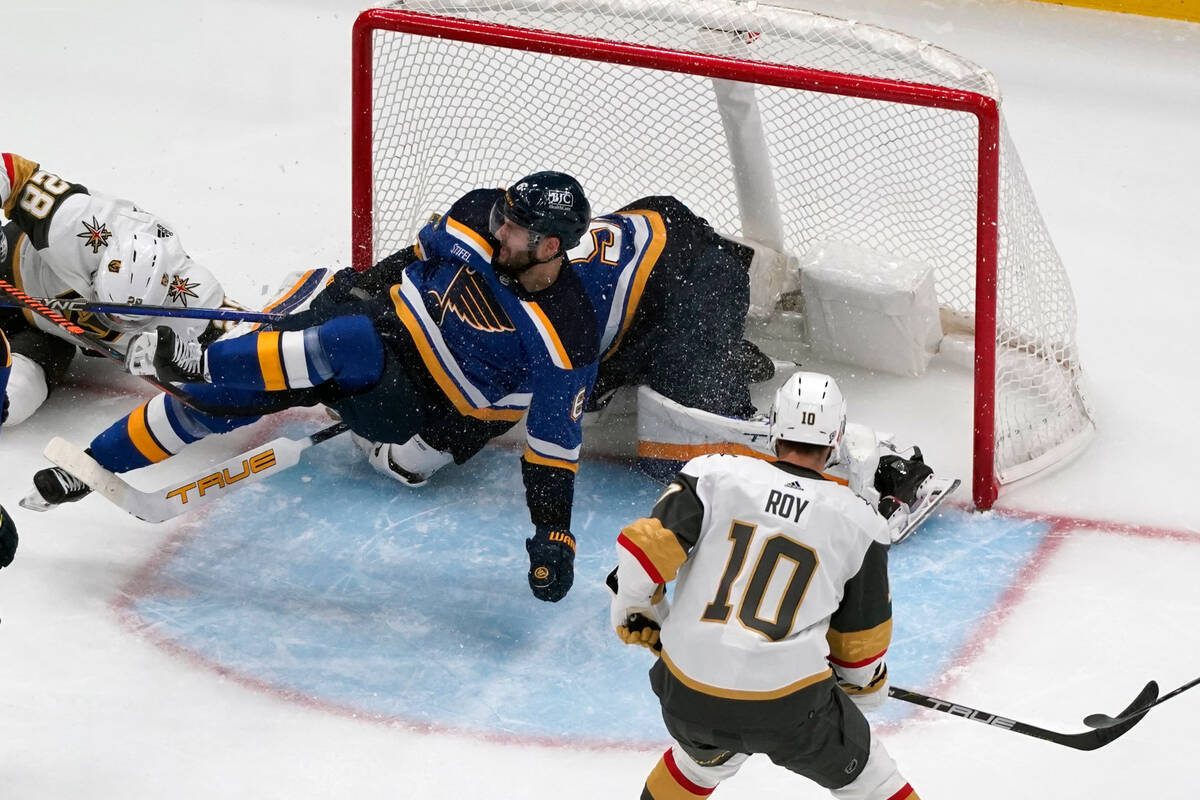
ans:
x=232 y=119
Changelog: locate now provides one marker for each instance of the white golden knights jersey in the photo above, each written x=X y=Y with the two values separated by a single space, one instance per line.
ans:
x=778 y=573
x=64 y=235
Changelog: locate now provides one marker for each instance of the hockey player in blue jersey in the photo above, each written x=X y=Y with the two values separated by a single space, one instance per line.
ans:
x=487 y=323
x=670 y=296
x=8 y=530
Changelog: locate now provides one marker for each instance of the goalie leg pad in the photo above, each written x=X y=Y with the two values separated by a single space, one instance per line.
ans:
x=670 y=433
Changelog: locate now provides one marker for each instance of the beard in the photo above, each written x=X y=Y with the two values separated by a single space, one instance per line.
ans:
x=514 y=264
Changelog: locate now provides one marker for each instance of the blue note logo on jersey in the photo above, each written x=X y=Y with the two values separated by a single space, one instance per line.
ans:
x=469 y=298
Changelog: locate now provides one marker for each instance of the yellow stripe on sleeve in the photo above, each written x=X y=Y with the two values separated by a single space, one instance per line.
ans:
x=546 y=461
x=463 y=230
x=438 y=372
x=288 y=294
x=271 y=362
x=143 y=440
x=564 y=360
x=658 y=240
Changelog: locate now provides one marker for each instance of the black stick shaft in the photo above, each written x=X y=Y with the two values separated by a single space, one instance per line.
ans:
x=87 y=341
x=63 y=305
x=1088 y=740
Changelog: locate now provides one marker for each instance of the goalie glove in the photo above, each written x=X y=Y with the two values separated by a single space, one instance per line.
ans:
x=902 y=478
x=551 y=563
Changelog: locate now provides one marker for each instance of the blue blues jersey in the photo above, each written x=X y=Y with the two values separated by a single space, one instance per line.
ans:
x=614 y=260
x=495 y=350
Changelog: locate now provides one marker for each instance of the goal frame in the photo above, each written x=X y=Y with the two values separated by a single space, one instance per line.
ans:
x=985 y=484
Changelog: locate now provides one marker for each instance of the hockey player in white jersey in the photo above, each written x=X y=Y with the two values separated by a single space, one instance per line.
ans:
x=781 y=616
x=63 y=241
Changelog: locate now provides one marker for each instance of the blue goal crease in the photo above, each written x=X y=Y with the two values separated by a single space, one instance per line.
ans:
x=414 y=605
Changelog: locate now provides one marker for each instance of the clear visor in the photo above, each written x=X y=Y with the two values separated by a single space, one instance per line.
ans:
x=123 y=323
x=500 y=215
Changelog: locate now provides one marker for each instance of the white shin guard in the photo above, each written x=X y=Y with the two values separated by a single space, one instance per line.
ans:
x=27 y=389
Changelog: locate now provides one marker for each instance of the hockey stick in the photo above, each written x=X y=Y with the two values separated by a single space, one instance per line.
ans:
x=1088 y=740
x=201 y=489
x=1105 y=721
x=65 y=306
x=88 y=341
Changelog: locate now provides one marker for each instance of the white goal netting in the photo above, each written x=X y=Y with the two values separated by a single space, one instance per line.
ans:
x=856 y=134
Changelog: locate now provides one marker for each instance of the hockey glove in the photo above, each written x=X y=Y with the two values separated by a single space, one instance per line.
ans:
x=872 y=695
x=642 y=631
x=551 y=563
x=637 y=621
x=900 y=479
x=8 y=538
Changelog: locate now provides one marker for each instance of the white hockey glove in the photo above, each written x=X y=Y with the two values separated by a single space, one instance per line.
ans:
x=866 y=686
x=635 y=616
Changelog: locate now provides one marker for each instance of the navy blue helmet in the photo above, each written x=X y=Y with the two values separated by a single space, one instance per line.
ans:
x=546 y=204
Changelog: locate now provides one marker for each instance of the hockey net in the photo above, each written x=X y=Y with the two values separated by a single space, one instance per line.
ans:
x=776 y=125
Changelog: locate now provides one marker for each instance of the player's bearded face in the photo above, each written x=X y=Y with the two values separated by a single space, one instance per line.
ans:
x=514 y=256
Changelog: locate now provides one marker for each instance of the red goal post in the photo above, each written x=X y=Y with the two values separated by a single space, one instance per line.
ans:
x=484 y=91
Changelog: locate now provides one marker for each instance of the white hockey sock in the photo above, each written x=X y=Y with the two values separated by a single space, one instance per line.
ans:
x=879 y=780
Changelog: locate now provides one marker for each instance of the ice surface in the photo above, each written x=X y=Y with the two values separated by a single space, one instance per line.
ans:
x=301 y=645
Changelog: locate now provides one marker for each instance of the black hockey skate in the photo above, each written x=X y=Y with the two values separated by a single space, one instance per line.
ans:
x=52 y=487
x=163 y=354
